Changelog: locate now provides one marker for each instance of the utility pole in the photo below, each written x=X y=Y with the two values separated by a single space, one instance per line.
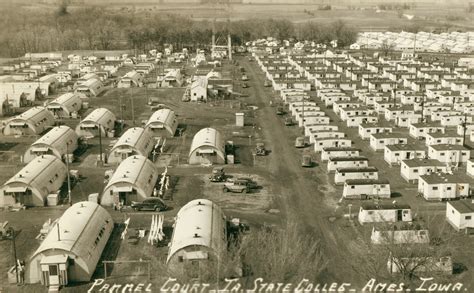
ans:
x=68 y=175
x=100 y=144
x=12 y=233
x=464 y=129
x=133 y=110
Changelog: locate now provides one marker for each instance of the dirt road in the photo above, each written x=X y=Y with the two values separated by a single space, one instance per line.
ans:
x=302 y=191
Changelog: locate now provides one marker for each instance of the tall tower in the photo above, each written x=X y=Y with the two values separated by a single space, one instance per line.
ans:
x=222 y=41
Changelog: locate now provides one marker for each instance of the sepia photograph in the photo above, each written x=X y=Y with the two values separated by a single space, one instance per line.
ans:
x=236 y=146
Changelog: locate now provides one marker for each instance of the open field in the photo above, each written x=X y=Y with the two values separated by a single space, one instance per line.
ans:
x=363 y=16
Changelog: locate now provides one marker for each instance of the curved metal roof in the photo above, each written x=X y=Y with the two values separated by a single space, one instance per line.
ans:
x=166 y=117
x=199 y=223
x=57 y=137
x=207 y=137
x=137 y=138
x=135 y=170
x=79 y=228
x=99 y=116
x=39 y=171
x=34 y=116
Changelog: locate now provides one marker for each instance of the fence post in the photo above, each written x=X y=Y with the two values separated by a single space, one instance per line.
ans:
x=105 y=270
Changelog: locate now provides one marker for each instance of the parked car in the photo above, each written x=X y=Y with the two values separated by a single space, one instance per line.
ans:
x=218 y=174
x=151 y=204
x=300 y=142
x=250 y=183
x=260 y=149
x=288 y=121
x=307 y=161
x=245 y=85
x=244 y=77
x=267 y=83
x=240 y=185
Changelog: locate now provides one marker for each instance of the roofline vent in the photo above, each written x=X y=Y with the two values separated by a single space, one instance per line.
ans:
x=196 y=235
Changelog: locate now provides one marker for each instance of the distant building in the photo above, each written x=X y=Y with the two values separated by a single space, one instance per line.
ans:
x=366 y=188
x=31 y=185
x=199 y=89
x=134 y=141
x=207 y=147
x=59 y=141
x=64 y=105
x=32 y=122
x=100 y=118
x=162 y=123
x=443 y=186
x=133 y=180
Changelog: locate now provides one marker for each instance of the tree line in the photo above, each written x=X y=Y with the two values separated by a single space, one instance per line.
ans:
x=94 y=29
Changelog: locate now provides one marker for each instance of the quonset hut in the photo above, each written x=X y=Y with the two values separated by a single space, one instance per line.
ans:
x=207 y=147
x=133 y=180
x=56 y=142
x=42 y=176
x=199 y=238
x=72 y=248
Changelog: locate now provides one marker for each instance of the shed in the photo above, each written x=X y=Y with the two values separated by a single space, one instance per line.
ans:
x=32 y=184
x=394 y=154
x=378 y=141
x=384 y=212
x=162 y=123
x=347 y=162
x=59 y=141
x=72 y=248
x=460 y=214
x=343 y=174
x=199 y=239
x=135 y=141
x=366 y=188
x=199 y=89
x=32 y=122
x=451 y=154
x=411 y=170
x=207 y=147
x=133 y=180
x=443 y=186
x=335 y=152
x=64 y=105
x=100 y=118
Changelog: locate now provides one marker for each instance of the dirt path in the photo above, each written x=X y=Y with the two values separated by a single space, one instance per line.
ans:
x=302 y=191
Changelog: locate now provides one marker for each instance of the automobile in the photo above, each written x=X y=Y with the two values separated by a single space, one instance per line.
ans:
x=244 y=77
x=267 y=83
x=300 y=142
x=218 y=174
x=280 y=111
x=252 y=184
x=151 y=204
x=240 y=185
x=236 y=186
x=260 y=149
x=307 y=161
x=288 y=121
x=245 y=85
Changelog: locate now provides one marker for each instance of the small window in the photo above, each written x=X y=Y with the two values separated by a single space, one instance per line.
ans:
x=448 y=188
x=467 y=217
x=435 y=187
x=352 y=187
